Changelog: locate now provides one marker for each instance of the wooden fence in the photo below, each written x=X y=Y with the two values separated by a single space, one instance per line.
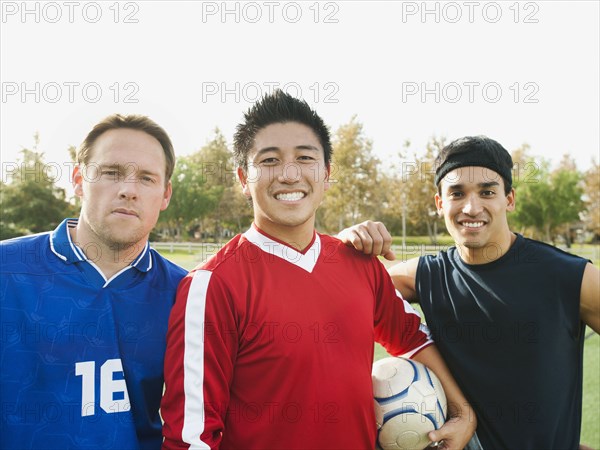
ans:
x=402 y=253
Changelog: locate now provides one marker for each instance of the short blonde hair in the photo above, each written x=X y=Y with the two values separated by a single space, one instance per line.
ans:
x=134 y=122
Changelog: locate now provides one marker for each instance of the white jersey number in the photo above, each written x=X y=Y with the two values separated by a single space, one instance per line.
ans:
x=113 y=393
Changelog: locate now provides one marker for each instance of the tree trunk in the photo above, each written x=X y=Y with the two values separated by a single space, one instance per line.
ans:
x=549 y=238
x=429 y=230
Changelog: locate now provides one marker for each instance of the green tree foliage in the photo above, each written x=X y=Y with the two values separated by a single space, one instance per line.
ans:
x=206 y=199
x=548 y=201
x=190 y=202
x=411 y=192
x=391 y=198
x=30 y=201
x=355 y=194
x=525 y=171
x=420 y=190
x=231 y=213
x=72 y=151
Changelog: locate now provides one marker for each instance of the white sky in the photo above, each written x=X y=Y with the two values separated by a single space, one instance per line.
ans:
x=515 y=71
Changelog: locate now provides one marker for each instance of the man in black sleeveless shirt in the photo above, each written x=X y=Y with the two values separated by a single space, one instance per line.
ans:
x=507 y=313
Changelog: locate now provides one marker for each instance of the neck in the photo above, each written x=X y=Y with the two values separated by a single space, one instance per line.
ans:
x=110 y=258
x=297 y=237
x=488 y=253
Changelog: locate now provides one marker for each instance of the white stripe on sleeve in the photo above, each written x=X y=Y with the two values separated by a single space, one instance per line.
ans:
x=193 y=361
x=408 y=309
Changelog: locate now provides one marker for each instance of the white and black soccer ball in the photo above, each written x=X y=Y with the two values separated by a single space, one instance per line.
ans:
x=409 y=403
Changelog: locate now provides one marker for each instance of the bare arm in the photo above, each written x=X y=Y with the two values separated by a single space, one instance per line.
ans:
x=589 y=305
x=460 y=426
x=404 y=275
x=589 y=302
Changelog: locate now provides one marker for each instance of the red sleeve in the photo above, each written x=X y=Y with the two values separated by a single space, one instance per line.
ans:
x=398 y=325
x=201 y=347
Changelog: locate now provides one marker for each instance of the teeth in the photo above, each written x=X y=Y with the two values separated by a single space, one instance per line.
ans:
x=290 y=196
x=472 y=224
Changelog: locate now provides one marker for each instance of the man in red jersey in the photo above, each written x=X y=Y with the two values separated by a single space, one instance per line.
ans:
x=270 y=343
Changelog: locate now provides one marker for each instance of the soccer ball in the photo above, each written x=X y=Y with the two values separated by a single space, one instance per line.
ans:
x=409 y=403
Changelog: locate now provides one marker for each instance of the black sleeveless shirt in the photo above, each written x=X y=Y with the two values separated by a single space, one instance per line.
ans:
x=511 y=334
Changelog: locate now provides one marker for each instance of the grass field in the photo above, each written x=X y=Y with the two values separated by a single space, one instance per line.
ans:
x=590 y=427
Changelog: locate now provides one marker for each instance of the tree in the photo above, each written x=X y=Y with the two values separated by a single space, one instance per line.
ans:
x=413 y=190
x=206 y=198
x=525 y=171
x=592 y=200
x=420 y=190
x=548 y=201
x=190 y=202
x=30 y=201
x=231 y=213
x=355 y=193
x=72 y=150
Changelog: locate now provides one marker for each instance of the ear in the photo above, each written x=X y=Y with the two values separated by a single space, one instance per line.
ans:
x=244 y=181
x=326 y=183
x=439 y=205
x=510 y=198
x=167 y=196
x=77 y=180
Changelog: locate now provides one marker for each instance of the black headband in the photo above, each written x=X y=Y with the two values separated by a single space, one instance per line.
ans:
x=473 y=157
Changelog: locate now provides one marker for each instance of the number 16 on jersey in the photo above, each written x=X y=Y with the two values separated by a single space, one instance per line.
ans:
x=113 y=392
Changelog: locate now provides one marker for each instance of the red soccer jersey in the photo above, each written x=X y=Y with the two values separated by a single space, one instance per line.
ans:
x=270 y=348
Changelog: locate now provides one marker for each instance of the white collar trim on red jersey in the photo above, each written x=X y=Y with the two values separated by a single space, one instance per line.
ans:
x=305 y=261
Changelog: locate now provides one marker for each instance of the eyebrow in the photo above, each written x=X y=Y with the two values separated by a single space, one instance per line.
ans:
x=277 y=149
x=488 y=184
x=121 y=167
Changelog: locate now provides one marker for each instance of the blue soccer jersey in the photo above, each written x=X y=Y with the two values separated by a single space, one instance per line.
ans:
x=81 y=356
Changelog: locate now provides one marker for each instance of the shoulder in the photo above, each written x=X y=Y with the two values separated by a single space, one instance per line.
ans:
x=167 y=268
x=436 y=269
x=202 y=283
x=339 y=259
x=224 y=257
x=26 y=251
x=25 y=241
x=547 y=250
x=332 y=247
x=440 y=259
x=549 y=258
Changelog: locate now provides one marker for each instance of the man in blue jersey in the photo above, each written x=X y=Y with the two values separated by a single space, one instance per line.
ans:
x=84 y=308
x=507 y=313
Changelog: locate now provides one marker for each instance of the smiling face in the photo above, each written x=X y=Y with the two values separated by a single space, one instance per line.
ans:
x=286 y=179
x=474 y=207
x=123 y=188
